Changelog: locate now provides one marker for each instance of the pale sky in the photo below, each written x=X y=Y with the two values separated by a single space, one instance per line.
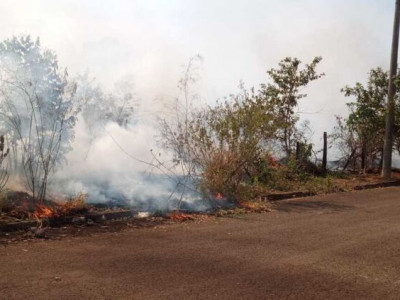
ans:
x=239 y=40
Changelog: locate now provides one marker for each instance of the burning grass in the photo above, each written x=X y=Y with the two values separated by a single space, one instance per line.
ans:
x=179 y=216
x=21 y=206
x=73 y=206
x=18 y=207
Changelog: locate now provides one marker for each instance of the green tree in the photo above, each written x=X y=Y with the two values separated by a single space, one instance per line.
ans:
x=367 y=115
x=284 y=93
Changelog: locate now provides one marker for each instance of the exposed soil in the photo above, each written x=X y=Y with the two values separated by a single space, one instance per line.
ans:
x=71 y=231
x=113 y=226
x=337 y=246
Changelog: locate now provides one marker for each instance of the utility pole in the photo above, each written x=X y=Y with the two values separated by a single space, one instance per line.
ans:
x=388 y=145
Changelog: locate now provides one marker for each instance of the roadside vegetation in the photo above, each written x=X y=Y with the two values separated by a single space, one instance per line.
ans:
x=244 y=147
x=252 y=143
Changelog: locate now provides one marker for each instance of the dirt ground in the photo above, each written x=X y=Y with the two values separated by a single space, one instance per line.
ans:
x=338 y=246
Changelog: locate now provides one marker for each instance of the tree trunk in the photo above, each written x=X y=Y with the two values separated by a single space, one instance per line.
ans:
x=349 y=159
x=363 y=157
x=381 y=161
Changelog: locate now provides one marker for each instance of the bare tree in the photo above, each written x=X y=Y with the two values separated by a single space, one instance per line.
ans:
x=38 y=110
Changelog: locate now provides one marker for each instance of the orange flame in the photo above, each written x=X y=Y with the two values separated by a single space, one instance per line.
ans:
x=43 y=211
x=71 y=207
x=219 y=196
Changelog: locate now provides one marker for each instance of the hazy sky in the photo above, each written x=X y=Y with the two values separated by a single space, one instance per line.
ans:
x=239 y=40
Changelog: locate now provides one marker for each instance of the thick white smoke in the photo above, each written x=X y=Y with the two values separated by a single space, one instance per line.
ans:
x=116 y=165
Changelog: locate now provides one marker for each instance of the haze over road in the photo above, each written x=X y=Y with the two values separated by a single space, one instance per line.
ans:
x=328 y=247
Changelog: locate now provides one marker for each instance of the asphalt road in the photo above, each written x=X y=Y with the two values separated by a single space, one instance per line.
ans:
x=342 y=246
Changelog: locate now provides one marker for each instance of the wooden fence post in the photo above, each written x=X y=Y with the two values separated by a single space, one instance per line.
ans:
x=298 y=151
x=325 y=153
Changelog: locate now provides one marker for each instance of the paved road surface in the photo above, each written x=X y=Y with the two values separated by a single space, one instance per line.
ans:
x=343 y=246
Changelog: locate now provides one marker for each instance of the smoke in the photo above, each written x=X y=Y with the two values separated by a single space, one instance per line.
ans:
x=107 y=139
x=119 y=166
x=151 y=39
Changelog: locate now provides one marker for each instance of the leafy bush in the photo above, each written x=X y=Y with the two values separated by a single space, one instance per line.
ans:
x=228 y=148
